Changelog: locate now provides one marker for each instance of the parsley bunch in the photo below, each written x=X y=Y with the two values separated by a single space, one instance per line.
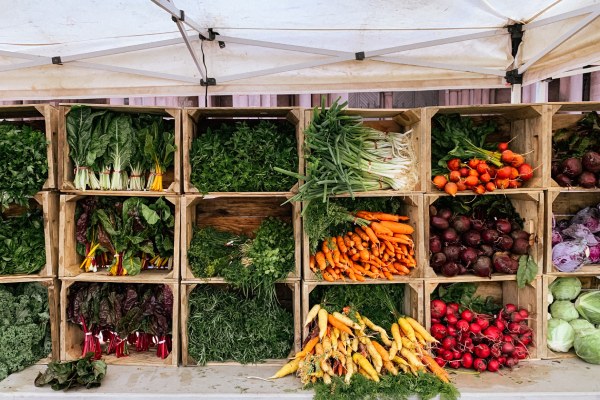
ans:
x=22 y=244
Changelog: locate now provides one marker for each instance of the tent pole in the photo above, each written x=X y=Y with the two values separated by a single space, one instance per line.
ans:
x=515 y=94
x=188 y=44
x=179 y=14
x=560 y=17
x=133 y=71
x=463 y=68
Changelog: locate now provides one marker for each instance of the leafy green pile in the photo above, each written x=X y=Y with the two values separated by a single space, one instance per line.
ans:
x=67 y=375
x=381 y=303
x=226 y=325
x=24 y=167
x=24 y=326
x=253 y=265
x=102 y=142
x=463 y=293
x=22 y=243
x=240 y=157
x=399 y=387
x=453 y=136
x=575 y=141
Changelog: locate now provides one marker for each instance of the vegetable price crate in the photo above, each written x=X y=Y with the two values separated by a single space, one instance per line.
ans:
x=589 y=282
x=73 y=338
x=412 y=207
x=529 y=204
x=523 y=126
x=129 y=136
x=387 y=120
x=237 y=215
x=564 y=205
x=570 y=136
x=230 y=143
x=152 y=267
x=407 y=299
x=503 y=292
x=45 y=118
x=211 y=300
x=47 y=202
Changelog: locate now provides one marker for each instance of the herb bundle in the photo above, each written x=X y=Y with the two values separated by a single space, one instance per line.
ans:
x=105 y=145
x=24 y=326
x=66 y=375
x=139 y=315
x=240 y=157
x=226 y=325
x=24 y=168
x=22 y=243
x=125 y=236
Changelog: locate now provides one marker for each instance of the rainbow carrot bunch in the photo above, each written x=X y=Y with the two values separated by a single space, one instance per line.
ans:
x=381 y=249
x=345 y=344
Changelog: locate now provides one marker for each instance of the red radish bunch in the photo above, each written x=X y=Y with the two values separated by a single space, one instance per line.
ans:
x=482 y=342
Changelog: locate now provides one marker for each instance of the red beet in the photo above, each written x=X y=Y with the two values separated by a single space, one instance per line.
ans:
x=486 y=250
x=477 y=224
x=483 y=266
x=462 y=325
x=437 y=261
x=468 y=256
x=503 y=226
x=472 y=238
x=452 y=252
x=520 y=246
x=587 y=180
x=467 y=315
x=438 y=309
x=435 y=244
x=450 y=235
x=505 y=242
x=492 y=333
x=495 y=351
x=450 y=269
x=493 y=365
x=439 y=222
x=519 y=234
x=454 y=307
x=438 y=331
x=451 y=319
x=520 y=352
x=482 y=322
x=591 y=161
x=572 y=167
x=447 y=355
x=490 y=236
x=445 y=213
x=440 y=361
x=524 y=313
x=511 y=362
x=467 y=360
x=482 y=350
x=454 y=364
x=474 y=328
x=510 y=308
x=563 y=180
x=461 y=223
x=516 y=317
x=452 y=331
x=479 y=364
x=507 y=347
x=448 y=343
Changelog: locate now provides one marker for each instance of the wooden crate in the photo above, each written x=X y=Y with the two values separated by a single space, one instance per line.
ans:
x=530 y=206
x=588 y=282
x=524 y=125
x=564 y=204
x=53 y=286
x=505 y=291
x=45 y=118
x=566 y=115
x=289 y=289
x=393 y=120
x=48 y=202
x=70 y=260
x=71 y=338
x=197 y=120
x=66 y=169
x=413 y=300
x=237 y=214
x=414 y=210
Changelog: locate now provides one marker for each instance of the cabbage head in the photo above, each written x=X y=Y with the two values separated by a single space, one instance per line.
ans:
x=564 y=309
x=565 y=288
x=587 y=346
x=581 y=324
x=588 y=306
x=560 y=336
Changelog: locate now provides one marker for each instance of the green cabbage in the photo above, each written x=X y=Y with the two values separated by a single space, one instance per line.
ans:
x=565 y=288
x=588 y=305
x=587 y=346
x=560 y=336
x=581 y=324
x=564 y=309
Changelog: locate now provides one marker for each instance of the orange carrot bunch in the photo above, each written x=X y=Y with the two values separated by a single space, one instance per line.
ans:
x=380 y=250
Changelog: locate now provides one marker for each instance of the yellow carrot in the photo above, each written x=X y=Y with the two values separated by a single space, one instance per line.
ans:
x=393 y=351
x=407 y=329
x=396 y=335
x=349 y=370
x=420 y=329
x=435 y=368
x=312 y=314
x=382 y=352
x=366 y=366
x=322 y=318
x=346 y=320
x=411 y=358
x=287 y=369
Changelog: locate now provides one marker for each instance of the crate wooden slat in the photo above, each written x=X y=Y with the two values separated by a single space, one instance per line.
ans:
x=412 y=302
x=588 y=282
x=71 y=337
x=237 y=214
x=48 y=202
x=525 y=125
x=70 y=260
x=504 y=292
x=197 y=119
x=530 y=206
x=47 y=115
x=564 y=205
x=171 y=178
x=187 y=288
x=414 y=210
x=393 y=120
x=566 y=115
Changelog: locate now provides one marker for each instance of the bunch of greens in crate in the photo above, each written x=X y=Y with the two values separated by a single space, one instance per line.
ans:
x=239 y=157
x=463 y=293
x=66 y=375
x=24 y=326
x=24 y=168
x=116 y=151
x=123 y=315
x=344 y=156
x=126 y=236
x=226 y=325
x=253 y=265
x=22 y=243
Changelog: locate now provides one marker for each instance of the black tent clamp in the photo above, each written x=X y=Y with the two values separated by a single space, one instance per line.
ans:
x=516 y=38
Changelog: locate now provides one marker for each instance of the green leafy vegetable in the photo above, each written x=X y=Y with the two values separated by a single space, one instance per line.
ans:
x=22 y=243
x=240 y=157
x=67 y=375
x=527 y=271
x=120 y=149
x=487 y=207
x=463 y=293
x=575 y=141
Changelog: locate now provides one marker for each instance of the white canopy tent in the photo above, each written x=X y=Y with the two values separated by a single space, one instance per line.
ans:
x=100 y=48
